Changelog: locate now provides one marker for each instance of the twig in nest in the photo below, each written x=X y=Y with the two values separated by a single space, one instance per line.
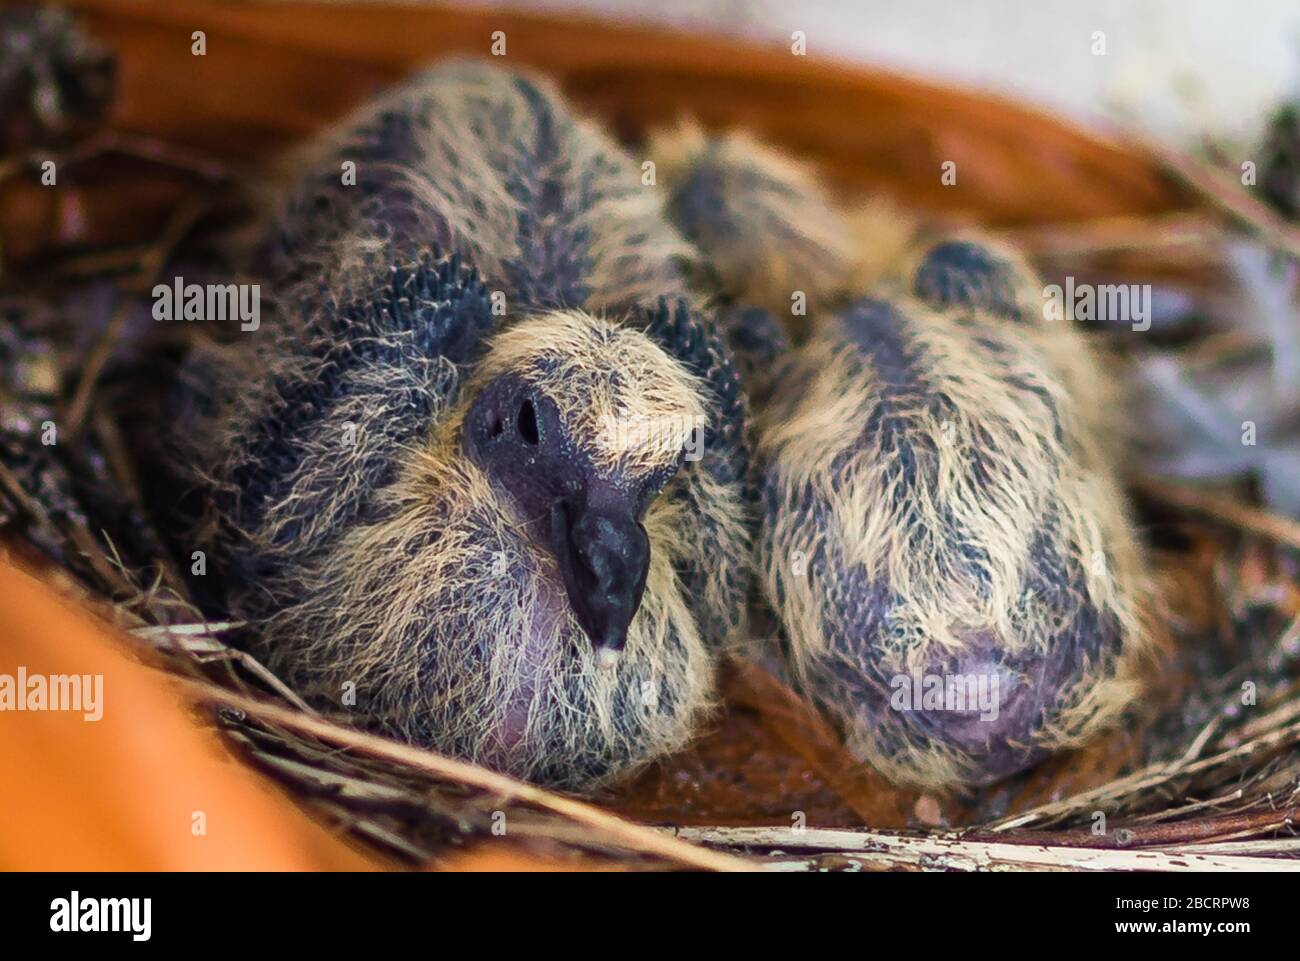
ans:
x=77 y=537
x=31 y=508
x=110 y=142
x=1224 y=192
x=119 y=464
x=189 y=638
x=203 y=629
x=1112 y=235
x=1186 y=809
x=612 y=829
x=938 y=852
x=1151 y=776
x=1252 y=519
x=151 y=263
x=1199 y=831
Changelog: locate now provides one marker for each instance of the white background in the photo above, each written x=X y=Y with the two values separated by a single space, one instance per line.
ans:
x=1179 y=67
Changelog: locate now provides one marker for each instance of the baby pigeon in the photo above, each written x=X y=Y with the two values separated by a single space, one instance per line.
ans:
x=944 y=541
x=481 y=477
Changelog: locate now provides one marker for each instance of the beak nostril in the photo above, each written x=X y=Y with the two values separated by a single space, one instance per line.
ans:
x=526 y=423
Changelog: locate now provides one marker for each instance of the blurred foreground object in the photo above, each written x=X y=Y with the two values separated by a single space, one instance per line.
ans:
x=1221 y=394
x=1280 y=161
x=54 y=80
x=1226 y=406
x=140 y=789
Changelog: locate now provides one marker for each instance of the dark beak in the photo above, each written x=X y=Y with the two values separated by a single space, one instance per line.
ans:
x=604 y=555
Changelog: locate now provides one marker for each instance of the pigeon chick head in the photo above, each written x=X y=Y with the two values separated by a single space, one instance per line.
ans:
x=526 y=553
x=575 y=427
x=535 y=618
x=517 y=536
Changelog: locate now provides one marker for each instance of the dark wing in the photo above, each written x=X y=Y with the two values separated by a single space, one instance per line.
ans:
x=693 y=340
x=312 y=428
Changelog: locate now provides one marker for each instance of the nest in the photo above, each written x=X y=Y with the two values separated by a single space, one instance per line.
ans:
x=1209 y=776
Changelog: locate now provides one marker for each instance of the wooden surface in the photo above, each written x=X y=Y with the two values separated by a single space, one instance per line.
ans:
x=273 y=73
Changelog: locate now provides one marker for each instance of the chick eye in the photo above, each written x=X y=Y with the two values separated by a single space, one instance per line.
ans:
x=526 y=423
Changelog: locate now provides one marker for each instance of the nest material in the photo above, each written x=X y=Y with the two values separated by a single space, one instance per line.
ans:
x=1210 y=779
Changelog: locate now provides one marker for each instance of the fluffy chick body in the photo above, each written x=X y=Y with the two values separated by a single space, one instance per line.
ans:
x=491 y=246
x=940 y=506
